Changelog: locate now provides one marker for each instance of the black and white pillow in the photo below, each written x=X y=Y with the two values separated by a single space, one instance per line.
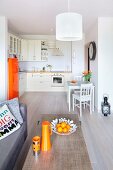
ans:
x=13 y=106
x=8 y=123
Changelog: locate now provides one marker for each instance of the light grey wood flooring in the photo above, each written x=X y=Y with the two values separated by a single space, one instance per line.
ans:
x=97 y=129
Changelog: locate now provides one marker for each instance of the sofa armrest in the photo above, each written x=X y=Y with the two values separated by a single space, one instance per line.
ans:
x=23 y=111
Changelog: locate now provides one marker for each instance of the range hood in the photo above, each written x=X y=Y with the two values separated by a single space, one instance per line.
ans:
x=53 y=50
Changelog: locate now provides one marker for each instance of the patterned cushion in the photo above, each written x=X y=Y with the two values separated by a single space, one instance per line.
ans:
x=8 y=123
x=13 y=106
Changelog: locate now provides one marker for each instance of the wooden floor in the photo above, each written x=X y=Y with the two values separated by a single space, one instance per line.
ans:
x=97 y=129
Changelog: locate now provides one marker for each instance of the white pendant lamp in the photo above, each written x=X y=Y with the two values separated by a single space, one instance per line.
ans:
x=68 y=26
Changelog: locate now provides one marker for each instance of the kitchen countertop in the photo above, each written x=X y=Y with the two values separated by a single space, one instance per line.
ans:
x=22 y=72
x=26 y=71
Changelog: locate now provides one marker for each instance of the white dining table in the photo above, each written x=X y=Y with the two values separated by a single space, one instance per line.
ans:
x=75 y=86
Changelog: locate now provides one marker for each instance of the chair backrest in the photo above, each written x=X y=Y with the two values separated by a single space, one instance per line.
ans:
x=78 y=78
x=86 y=91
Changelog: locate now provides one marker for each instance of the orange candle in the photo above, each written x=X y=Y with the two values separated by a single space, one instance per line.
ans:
x=36 y=145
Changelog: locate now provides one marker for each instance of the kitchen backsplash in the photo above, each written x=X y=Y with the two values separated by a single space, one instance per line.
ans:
x=59 y=63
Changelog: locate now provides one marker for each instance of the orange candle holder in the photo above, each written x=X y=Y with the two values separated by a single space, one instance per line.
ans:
x=36 y=145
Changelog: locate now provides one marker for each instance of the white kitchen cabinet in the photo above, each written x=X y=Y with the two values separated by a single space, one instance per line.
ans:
x=19 y=48
x=15 y=45
x=31 y=54
x=32 y=82
x=43 y=82
x=12 y=44
x=24 y=50
x=34 y=50
x=38 y=82
x=22 y=83
x=37 y=49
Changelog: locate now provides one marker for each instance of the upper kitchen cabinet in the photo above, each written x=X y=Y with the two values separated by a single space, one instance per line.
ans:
x=14 y=46
x=34 y=50
x=24 y=50
x=11 y=44
x=19 y=48
x=37 y=48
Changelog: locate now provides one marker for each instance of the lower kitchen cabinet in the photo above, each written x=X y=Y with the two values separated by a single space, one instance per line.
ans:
x=43 y=82
x=38 y=82
x=22 y=83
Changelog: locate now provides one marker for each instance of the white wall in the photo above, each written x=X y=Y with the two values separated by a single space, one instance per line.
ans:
x=105 y=59
x=3 y=58
x=78 y=57
x=102 y=66
x=92 y=35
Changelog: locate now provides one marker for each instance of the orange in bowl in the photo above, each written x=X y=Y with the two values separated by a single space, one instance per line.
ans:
x=58 y=125
x=59 y=129
x=63 y=127
x=65 y=130
x=63 y=124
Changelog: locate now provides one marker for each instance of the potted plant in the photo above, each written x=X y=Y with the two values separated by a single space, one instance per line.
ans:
x=87 y=75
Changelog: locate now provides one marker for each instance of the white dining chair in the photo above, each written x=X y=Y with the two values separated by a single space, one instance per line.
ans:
x=84 y=97
x=78 y=78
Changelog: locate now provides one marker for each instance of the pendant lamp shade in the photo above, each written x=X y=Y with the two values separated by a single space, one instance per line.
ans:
x=68 y=26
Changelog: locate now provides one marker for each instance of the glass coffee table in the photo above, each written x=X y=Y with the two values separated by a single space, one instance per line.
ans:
x=67 y=152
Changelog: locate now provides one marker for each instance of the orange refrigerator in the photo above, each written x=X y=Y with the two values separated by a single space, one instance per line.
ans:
x=13 y=78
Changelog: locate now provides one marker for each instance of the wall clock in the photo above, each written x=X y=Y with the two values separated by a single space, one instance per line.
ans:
x=92 y=50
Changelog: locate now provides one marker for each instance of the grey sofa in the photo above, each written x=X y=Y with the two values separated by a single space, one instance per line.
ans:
x=11 y=146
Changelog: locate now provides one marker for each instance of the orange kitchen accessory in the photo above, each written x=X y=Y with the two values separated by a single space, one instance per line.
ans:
x=36 y=145
x=46 y=136
x=13 y=78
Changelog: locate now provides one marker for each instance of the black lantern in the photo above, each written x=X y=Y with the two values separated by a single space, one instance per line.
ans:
x=105 y=106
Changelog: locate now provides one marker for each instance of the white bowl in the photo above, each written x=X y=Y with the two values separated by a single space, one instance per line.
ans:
x=70 y=122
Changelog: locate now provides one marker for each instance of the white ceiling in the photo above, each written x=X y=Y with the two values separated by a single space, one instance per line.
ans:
x=38 y=16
